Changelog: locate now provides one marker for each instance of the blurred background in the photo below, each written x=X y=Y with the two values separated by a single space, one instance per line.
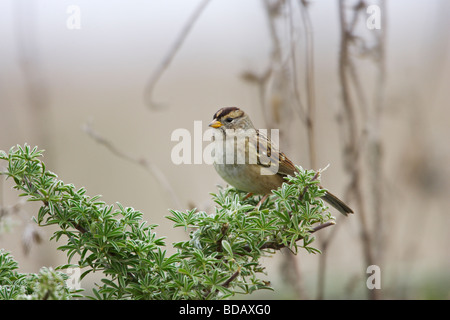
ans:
x=101 y=85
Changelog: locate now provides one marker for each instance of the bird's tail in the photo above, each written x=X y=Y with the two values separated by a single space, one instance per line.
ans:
x=337 y=203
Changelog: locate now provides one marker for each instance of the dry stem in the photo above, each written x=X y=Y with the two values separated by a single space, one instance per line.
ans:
x=144 y=163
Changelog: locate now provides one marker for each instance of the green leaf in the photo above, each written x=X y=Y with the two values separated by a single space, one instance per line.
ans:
x=226 y=245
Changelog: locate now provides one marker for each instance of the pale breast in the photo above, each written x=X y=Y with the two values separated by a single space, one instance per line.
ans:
x=233 y=163
x=249 y=178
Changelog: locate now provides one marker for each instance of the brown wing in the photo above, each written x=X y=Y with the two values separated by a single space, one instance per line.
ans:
x=286 y=167
x=273 y=156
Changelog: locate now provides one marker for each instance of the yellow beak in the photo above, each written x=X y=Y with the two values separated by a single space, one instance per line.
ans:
x=215 y=124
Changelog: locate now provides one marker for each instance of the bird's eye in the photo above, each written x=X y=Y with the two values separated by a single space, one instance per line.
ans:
x=229 y=120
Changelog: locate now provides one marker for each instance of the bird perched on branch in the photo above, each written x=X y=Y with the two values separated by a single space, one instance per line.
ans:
x=249 y=161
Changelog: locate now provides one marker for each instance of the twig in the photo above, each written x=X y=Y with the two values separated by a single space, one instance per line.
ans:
x=226 y=284
x=171 y=54
x=35 y=84
x=375 y=143
x=292 y=58
x=351 y=152
x=323 y=225
x=274 y=71
x=148 y=166
x=310 y=88
x=302 y=194
x=355 y=140
x=277 y=246
x=223 y=232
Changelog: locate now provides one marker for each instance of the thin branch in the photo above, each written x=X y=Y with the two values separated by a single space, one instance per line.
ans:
x=323 y=225
x=292 y=43
x=171 y=54
x=226 y=284
x=35 y=85
x=310 y=87
x=376 y=148
x=223 y=232
x=277 y=246
x=302 y=194
x=274 y=71
x=148 y=166
x=355 y=139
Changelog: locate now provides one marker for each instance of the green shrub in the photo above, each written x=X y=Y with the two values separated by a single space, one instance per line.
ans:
x=220 y=259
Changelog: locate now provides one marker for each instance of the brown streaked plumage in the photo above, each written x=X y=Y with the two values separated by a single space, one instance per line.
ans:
x=247 y=176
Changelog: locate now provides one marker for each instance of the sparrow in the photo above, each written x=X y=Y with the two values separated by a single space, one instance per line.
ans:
x=249 y=161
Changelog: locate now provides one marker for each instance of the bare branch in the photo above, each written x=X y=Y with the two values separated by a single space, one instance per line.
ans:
x=310 y=88
x=357 y=119
x=148 y=166
x=226 y=284
x=278 y=246
x=171 y=54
